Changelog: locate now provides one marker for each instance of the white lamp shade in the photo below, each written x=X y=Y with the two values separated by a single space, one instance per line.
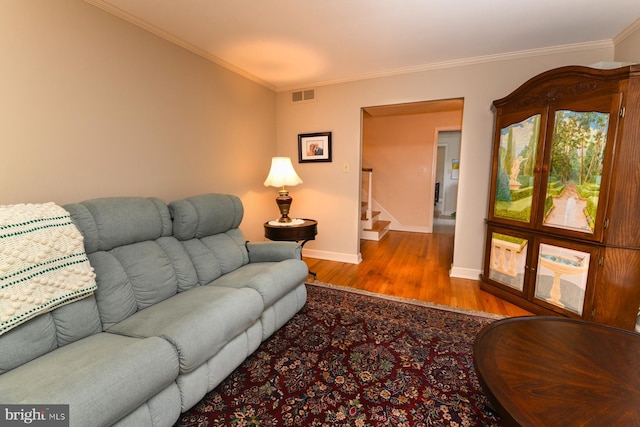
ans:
x=282 y=173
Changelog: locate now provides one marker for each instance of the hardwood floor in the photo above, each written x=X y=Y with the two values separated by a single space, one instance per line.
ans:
x=415 y=266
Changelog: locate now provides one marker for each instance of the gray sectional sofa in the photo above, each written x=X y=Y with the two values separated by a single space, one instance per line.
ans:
x=182 y=299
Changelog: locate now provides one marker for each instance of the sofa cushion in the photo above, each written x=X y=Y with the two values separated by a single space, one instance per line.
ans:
x=198 y=322
x=213 y=256
x=273 y=251
x=205 y=215
x=47 y=332
x=163 y=409
x=207 y=226
x=272 y=280
x=133 y=277
x=136 y=261
x=102 y=377
x=110 y=222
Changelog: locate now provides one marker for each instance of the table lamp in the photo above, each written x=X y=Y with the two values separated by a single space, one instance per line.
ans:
x=281 y=174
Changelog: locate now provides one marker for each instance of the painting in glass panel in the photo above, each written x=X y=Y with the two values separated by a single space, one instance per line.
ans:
x=561 y=277
x=579 y=141
x=516 y=162
x=507 y=260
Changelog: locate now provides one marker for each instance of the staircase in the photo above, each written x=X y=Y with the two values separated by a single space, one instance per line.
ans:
x=372 y=228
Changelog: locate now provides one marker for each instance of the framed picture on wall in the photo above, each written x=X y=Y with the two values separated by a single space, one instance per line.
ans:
x=314 y=147
x=455 y=168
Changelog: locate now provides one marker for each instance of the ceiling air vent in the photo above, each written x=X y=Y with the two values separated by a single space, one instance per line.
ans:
x=305 y=95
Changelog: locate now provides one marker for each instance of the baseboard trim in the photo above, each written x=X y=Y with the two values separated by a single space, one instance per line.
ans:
x=465 y=273
x=411 y=228
x=333 y=256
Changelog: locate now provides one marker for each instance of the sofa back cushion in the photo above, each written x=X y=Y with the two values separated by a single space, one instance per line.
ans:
x=47 y=283
x=49 y=331
x=205 y=215
x=207 y=225
x=136 y=260
x=110 y=222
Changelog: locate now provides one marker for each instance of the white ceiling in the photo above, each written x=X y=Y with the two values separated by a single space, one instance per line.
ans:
x=296 y=43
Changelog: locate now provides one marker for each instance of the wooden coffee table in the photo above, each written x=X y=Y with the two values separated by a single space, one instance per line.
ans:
x=554 y=371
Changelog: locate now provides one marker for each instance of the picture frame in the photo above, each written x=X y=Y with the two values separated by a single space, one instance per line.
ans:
x=314 y=147
x=455 y=169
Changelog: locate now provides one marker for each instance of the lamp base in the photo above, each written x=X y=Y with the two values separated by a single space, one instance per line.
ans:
x=284 y=201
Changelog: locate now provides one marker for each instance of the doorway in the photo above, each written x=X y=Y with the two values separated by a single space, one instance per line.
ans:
x=399 y=143
x=447 y=169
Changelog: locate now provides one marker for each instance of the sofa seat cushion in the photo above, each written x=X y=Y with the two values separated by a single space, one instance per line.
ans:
x=102 y=377
x=272 y=280
x=197 y=322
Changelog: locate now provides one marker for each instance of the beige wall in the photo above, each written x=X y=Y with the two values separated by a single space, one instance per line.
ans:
x=628 y=44
x=401 y=149
x=332 y=196
x=92 y=106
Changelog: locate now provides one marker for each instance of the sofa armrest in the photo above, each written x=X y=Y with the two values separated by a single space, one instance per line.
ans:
x=273 y=251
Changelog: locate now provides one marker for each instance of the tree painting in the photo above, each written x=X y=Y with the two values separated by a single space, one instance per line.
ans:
x=577 y=151
x=578 y=145
x=515 y=176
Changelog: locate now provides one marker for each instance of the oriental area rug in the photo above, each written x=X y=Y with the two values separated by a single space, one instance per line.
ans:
x=356 y=359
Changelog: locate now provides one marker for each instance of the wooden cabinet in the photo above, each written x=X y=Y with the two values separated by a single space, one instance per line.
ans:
x=563 y=226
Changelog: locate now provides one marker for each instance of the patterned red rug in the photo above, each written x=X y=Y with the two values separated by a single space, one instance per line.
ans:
x=348 y=359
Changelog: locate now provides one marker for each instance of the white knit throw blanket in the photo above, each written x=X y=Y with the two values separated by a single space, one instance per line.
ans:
x=43 y=264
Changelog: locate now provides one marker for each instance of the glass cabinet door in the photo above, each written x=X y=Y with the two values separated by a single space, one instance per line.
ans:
x=513 y=182
x=575 y=170
x=563 y=274
x=507 y=261
x=577 y=162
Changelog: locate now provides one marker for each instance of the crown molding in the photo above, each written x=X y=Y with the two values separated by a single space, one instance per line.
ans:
x=603 y=44
x=627 y=32
x=176 y=40
x=554 y=50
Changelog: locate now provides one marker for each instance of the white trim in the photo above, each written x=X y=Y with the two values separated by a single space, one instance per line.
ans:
x=554 y=50
x=465 y=273
x=373 y=235
x=411 y=228
x=627 y=32
x=333 y=256
x=384 y=214
x=603 y=44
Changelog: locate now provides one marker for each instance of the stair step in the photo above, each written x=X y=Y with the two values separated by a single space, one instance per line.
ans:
x=377 y=232
x=374 y=214
x=379 y=225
